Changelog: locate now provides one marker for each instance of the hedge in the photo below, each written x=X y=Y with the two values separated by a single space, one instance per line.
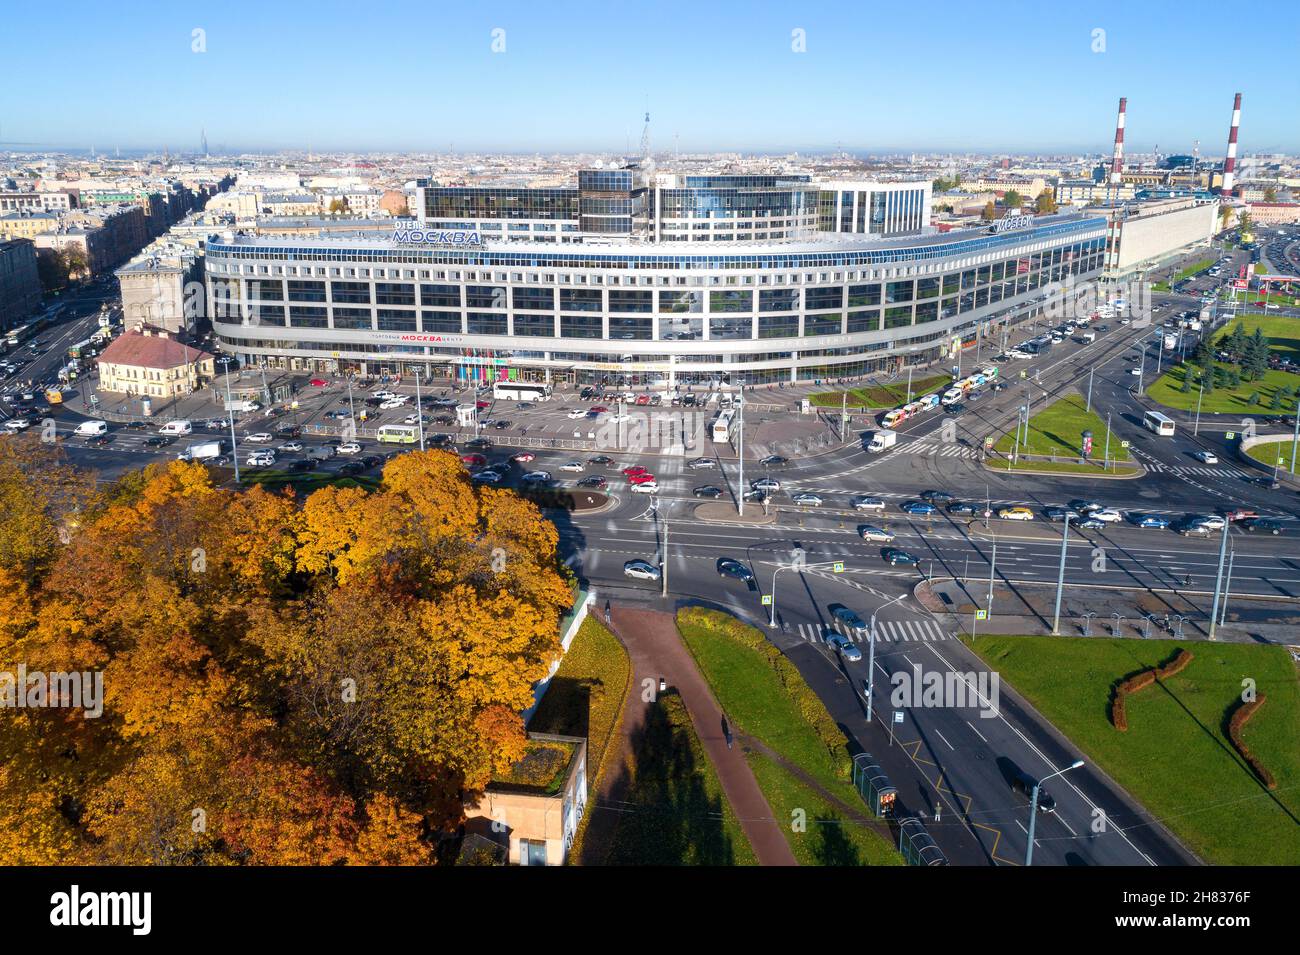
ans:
x=1140 y=681
x=1240 y=717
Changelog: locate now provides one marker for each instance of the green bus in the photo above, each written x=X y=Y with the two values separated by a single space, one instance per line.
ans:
x=398 y=434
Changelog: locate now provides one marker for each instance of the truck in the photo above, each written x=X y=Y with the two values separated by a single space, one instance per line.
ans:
x=1086 y=338
x=204 y=451
x=882 y=441
x=243 y=405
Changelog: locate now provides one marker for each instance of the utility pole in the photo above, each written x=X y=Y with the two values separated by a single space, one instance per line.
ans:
x=1218 y=580
x=1196 y=426
x=1295 y=437
x=1090 y=371
x=664 y=575
x=419 y=408
x=844 y=412
x=1105 y=460
x=1227 y=586
x=1060 y=578
x=230 y=413
x=740 y=445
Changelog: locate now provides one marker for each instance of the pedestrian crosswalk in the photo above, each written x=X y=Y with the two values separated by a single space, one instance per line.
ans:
x=939 y=450
x=1202 y=471
x=887 y=631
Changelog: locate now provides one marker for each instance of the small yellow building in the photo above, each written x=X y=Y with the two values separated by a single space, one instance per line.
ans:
x=149 y=363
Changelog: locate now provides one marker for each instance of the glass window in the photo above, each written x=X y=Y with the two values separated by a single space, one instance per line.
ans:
x=828 y=324
x=486 y=323
x=580 y=300
x=681 y=301
x=394 y=293
x=778 y=326
x=534 y=299
x=631 y=329
x=442 y=296
x=927 y=312
x=731 y=328
x=582 y=326
x=357 y=293
x=267 y=315
x=308 y=316
x=353 y=318
x=898 y=317
x=680 y=329
x=732 y=300
x=927 y=288
x=867 y=320
x=778 y=300
x=818 y=298
x=395 y=320
x=446 y=323
x=864 y=294
x=629 y=301
x=273 y=291
x=900 y=291
x=535 y=326
x=485 y=296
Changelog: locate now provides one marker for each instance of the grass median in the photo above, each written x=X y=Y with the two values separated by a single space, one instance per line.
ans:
x=1283 y=336
x=1058 y=429
x=1176 y=757
x=879 y=396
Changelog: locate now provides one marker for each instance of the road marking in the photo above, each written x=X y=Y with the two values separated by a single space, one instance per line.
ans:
x=975 y=731
x=942 y=737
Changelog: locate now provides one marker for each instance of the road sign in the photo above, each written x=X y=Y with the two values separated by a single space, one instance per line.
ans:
x=767 y=600
x=1124 y=444
x=981 y=614
x=898 y=716
x=1229 y=435
x=839 y=567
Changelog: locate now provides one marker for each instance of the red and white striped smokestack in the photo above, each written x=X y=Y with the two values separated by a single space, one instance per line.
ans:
x=1230 y=163
x=1117 y=163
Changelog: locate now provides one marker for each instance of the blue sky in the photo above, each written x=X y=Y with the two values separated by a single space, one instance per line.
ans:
x=717 y=75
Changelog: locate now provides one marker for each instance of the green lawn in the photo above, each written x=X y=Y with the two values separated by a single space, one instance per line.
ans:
x=1268 y=452
x=1059 y=467
x=880 y=396
x=1284 y=339
x=1057 y=429
x=828 y=837
x=676 y=812
x=754 y=696
x=305 y=483
x=1176 y=757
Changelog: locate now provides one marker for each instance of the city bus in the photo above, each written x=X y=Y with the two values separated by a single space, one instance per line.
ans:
x=520 y=391
x=724 y=426
x=398 y=434
x=1160 y=424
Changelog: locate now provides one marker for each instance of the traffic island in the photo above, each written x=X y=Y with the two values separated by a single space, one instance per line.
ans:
x=718 y=512
x=577 y=501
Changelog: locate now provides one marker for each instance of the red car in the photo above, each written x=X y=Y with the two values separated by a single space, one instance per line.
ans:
x=598 y=409
x=634 y=469
x=319 y=383
x=643 y=399
x=473 y=460
x=645 y=478
x=523 y=457
x=480 y=405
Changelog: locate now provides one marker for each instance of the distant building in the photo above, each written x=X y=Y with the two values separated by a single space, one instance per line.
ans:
x=534 y=810
x=156 y=284
x=26 y=224
x=148 y=363
x=37 y=201
x=1274 y=213
x=1144 y=235
x=20 y=286
x=106 y=236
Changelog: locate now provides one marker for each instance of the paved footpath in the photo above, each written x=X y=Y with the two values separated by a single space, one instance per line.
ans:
x=657 y=650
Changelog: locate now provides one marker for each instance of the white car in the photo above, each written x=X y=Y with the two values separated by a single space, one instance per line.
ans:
x=261 y=459
x=1123 y=321
x=17 y=424
x=260 y=437
x=766 y=484
x=383 y=395
x=486 y=477
x=649 y=487
x=577 y=413
x=807 y=500
x=291 y=446
x=1135 y=371
x=1108 y=514
x=391 y=403
x=350 y=448
x=571 y=466
x=875 y=534
x=868 y=504
x=1207 y=457
x=536 y=477
x=641 y=570
x=413 y=419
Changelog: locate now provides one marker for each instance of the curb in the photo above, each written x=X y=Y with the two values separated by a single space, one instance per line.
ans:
x=1139 y=473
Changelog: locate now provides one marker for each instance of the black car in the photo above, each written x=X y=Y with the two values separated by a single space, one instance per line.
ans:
x=963 y=507
x=372 y=460
x=137 y=425
x=936 y=497
x=587 y=392
x=593 y=480
x=1264 y=524
x=1024 y=784
x=893 y=556
x=478 y=444
x=1058 y=514
x=708 y=490
x=289 y=431
x=956 y=408
x=441 y=440
x=100 y=440
x=734 y=568
x=157 y=441
x=774 y=461
x=601 y=460
x=501 y=425
x=302 y=464
x=351 y=467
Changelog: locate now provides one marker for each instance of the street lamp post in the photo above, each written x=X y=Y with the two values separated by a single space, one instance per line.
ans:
x=230 y=413
x=1227 y=587
x=419 y=408
x=871 y=652
x=1218 y=580
x=1196 y=426
x=1295 y=437
x=1060 y=577
x=1033 y=807
x=740 y=452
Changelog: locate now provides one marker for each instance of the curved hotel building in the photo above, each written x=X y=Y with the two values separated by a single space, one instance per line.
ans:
x=748 y=279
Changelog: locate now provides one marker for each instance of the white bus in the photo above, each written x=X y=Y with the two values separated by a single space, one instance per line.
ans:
x=1160 y=424
x=520 y=391
x=724 y=426
x=398 y=434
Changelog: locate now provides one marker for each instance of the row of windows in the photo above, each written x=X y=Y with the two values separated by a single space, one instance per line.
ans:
x=1057 y=263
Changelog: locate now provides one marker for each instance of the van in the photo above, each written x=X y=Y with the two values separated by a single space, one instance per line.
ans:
x=1087 y=338
x=91 y=429
x=241 y=405
x=181 y=426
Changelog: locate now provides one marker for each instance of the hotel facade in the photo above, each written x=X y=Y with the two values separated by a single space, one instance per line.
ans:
x=638 y=279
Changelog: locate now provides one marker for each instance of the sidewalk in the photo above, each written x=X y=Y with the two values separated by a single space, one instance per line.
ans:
x=656 y=650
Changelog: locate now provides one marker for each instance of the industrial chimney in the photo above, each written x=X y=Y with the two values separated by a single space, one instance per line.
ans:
x=1230 y=163
x=1117 y=162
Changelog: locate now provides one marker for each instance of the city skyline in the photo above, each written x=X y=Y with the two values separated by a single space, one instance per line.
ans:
x=491 y=81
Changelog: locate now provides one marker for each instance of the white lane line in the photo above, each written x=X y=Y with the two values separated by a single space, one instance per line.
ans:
x=949 y=745
x=975 y=731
